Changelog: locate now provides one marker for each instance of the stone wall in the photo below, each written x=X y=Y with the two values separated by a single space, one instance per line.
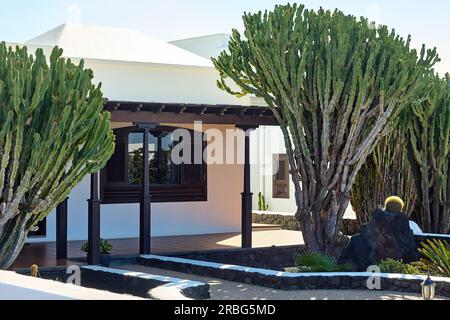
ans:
x=290 y=281
x=350 y=227
x=275 y=258
x=141 y=285
x=286 y=222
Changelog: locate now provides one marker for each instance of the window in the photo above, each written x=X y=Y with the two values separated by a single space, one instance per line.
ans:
x=169 y=182
x=280 y=176
x=162 y=171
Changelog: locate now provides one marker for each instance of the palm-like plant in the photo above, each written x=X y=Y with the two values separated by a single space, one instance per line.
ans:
x=436 y=258
x=320 y=262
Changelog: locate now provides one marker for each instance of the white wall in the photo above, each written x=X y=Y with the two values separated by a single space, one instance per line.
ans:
x=160 y=83
x=267 y=142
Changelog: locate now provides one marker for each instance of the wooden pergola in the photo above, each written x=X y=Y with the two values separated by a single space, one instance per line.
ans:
x=146 y=116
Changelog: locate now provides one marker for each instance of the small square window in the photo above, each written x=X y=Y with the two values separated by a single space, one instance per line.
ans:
x=281 y=177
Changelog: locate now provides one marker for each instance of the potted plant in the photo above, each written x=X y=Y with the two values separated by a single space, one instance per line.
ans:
x=105 y=252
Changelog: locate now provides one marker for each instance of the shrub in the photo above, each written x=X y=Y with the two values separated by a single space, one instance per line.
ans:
x=320 y=262
x=105 y=247
x=398 y=266
x=436 y=258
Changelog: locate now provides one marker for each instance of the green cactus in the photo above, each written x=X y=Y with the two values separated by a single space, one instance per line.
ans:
x=428 y=133
x=386 y=172
x=53 y=133
x=262 y=206
x=336 y=85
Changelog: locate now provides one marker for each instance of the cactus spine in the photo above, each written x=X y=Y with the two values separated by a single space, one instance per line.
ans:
x=335 y=84
x=53 y=133
x=428 y=132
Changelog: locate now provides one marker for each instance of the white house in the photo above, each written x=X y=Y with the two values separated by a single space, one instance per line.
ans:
x=144 y=72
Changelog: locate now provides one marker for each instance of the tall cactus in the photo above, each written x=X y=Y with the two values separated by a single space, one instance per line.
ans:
x=53 y=133
x=428 y=132
x=386 y=172
x=336 y=84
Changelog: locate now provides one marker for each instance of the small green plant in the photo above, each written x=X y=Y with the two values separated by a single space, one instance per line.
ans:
x=105 y=247
x=262 y=206
x=398 y=266
x=320 y=262
x=436 y=258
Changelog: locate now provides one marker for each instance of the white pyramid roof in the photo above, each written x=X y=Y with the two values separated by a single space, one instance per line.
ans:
x=206 y=46
x=104 y=43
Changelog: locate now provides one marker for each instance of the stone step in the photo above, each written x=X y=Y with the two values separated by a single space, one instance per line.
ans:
x=265 y=227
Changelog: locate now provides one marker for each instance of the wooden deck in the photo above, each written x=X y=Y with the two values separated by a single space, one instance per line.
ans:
x=44 y=254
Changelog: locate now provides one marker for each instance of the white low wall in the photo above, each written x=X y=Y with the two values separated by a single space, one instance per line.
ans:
x=14 y=286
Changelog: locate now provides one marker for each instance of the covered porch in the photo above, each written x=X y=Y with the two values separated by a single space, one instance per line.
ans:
x=44 y=254
x=145 y=117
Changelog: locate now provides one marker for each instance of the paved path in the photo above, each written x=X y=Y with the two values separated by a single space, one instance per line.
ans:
x=226 y=290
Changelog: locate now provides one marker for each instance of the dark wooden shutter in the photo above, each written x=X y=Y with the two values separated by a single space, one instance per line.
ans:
x=281 y=176
x=116 y=168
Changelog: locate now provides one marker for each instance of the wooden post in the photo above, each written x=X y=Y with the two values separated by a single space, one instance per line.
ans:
x=247 y=225
x=94 y=222
x=146 y=198
x=61 y=230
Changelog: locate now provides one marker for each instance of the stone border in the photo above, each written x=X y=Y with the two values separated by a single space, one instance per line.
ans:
x=143 y=284
x=294 y=281
x=274 y=258
x=287 y=221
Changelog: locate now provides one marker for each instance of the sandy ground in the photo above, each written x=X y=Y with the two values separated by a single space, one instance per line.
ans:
x=226 y=290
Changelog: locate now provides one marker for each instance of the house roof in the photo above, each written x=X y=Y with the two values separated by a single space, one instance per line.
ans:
x=105 y=43
x=206 y=46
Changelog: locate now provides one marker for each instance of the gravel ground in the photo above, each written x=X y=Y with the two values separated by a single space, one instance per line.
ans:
x=226 y=290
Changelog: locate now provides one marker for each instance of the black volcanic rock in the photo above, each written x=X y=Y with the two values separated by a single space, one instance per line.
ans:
x=387 y=235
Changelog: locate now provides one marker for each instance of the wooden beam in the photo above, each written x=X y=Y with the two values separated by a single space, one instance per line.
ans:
x=247 y=225
x=146 y=198
x=204 y=109
x=244 y=111
x=138 y=108
x=223 y=111
x=208 y=118
x=61 y=230
x=123 y=111
x=182 y=110
x=94 y=222
x=161 y=109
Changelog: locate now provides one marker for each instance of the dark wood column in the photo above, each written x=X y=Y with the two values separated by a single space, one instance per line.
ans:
x=246 y=194
x=94 y=222
x=61 y=230
x=146 y=198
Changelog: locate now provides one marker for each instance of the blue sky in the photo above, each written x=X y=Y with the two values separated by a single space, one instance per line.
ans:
x=427 y=21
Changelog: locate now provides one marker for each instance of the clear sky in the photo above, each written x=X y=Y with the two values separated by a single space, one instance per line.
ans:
x=427 y=21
